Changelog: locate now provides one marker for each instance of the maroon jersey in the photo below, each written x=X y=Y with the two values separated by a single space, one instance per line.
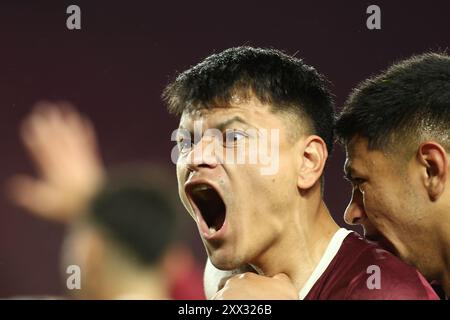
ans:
x=354 y=268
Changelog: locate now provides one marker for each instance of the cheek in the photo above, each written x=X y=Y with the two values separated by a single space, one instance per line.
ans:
x=180 y=169
x=278 y=194
x=181 y=176
x=380 y=205
x=373 y=202
x=183 y=197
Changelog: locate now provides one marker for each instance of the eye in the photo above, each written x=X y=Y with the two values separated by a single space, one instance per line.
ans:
x=355 y=182
x=184 y=144
x=359 y=184
x=232 y=137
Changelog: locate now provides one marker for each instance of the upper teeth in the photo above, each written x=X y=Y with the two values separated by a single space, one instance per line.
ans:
x=202 y=187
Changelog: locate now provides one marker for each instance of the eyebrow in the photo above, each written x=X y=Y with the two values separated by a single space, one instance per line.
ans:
x=223 y=125
x=348 y=171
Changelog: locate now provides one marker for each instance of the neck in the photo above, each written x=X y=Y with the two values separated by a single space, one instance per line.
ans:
x=432 y=248
x=444 y=247
x=143 y=284
x=302 y=245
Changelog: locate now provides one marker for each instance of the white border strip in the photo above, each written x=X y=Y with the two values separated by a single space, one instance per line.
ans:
x=329 y=254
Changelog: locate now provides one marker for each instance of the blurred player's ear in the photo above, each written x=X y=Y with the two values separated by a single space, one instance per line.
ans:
x=175 y=260
x=181 y=272
x=434 y=160
x=313 y=157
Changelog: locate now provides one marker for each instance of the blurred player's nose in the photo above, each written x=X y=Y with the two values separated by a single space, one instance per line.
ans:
x=204 y=154
x=355 y=213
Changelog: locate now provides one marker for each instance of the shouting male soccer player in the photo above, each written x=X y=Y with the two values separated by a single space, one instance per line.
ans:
x=272 y=219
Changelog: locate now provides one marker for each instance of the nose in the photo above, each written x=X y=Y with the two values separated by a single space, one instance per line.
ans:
x=355 y=212
x=204 y=154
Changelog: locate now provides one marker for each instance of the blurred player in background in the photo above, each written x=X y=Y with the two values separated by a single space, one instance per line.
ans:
x=121 y=225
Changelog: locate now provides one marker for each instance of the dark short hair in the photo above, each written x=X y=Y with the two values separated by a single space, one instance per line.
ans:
x=284 y=82
x=407 y=102
x=136 y=214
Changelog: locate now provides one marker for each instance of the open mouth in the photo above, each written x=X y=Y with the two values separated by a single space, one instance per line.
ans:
x=210 y=205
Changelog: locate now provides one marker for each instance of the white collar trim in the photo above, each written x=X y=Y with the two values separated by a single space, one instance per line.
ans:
x=330 y=252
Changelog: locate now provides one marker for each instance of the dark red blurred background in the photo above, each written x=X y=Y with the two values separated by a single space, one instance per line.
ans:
x=116 y=66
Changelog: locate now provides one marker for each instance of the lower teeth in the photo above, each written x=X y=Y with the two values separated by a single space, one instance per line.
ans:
x=212 y=230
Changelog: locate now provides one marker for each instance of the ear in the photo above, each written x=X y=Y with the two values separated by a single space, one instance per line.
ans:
x=313 y=157
x=435 y=162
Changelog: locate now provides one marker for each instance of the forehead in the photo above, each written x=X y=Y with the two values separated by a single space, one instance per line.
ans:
x=362 y=159
x=252 y=112
x=356 y=148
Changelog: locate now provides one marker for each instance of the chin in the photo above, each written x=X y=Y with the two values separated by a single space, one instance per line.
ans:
x=382 y=242
x=224 y=261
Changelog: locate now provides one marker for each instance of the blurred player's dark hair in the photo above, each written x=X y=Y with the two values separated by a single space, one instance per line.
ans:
x=408 y=102
x=284 y=82
x=136 y=212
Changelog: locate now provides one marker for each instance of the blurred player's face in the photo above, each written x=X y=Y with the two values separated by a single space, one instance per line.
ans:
x=386 y=200
x=240 y=207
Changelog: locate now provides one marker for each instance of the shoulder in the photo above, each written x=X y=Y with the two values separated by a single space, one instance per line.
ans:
x=377 y=274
